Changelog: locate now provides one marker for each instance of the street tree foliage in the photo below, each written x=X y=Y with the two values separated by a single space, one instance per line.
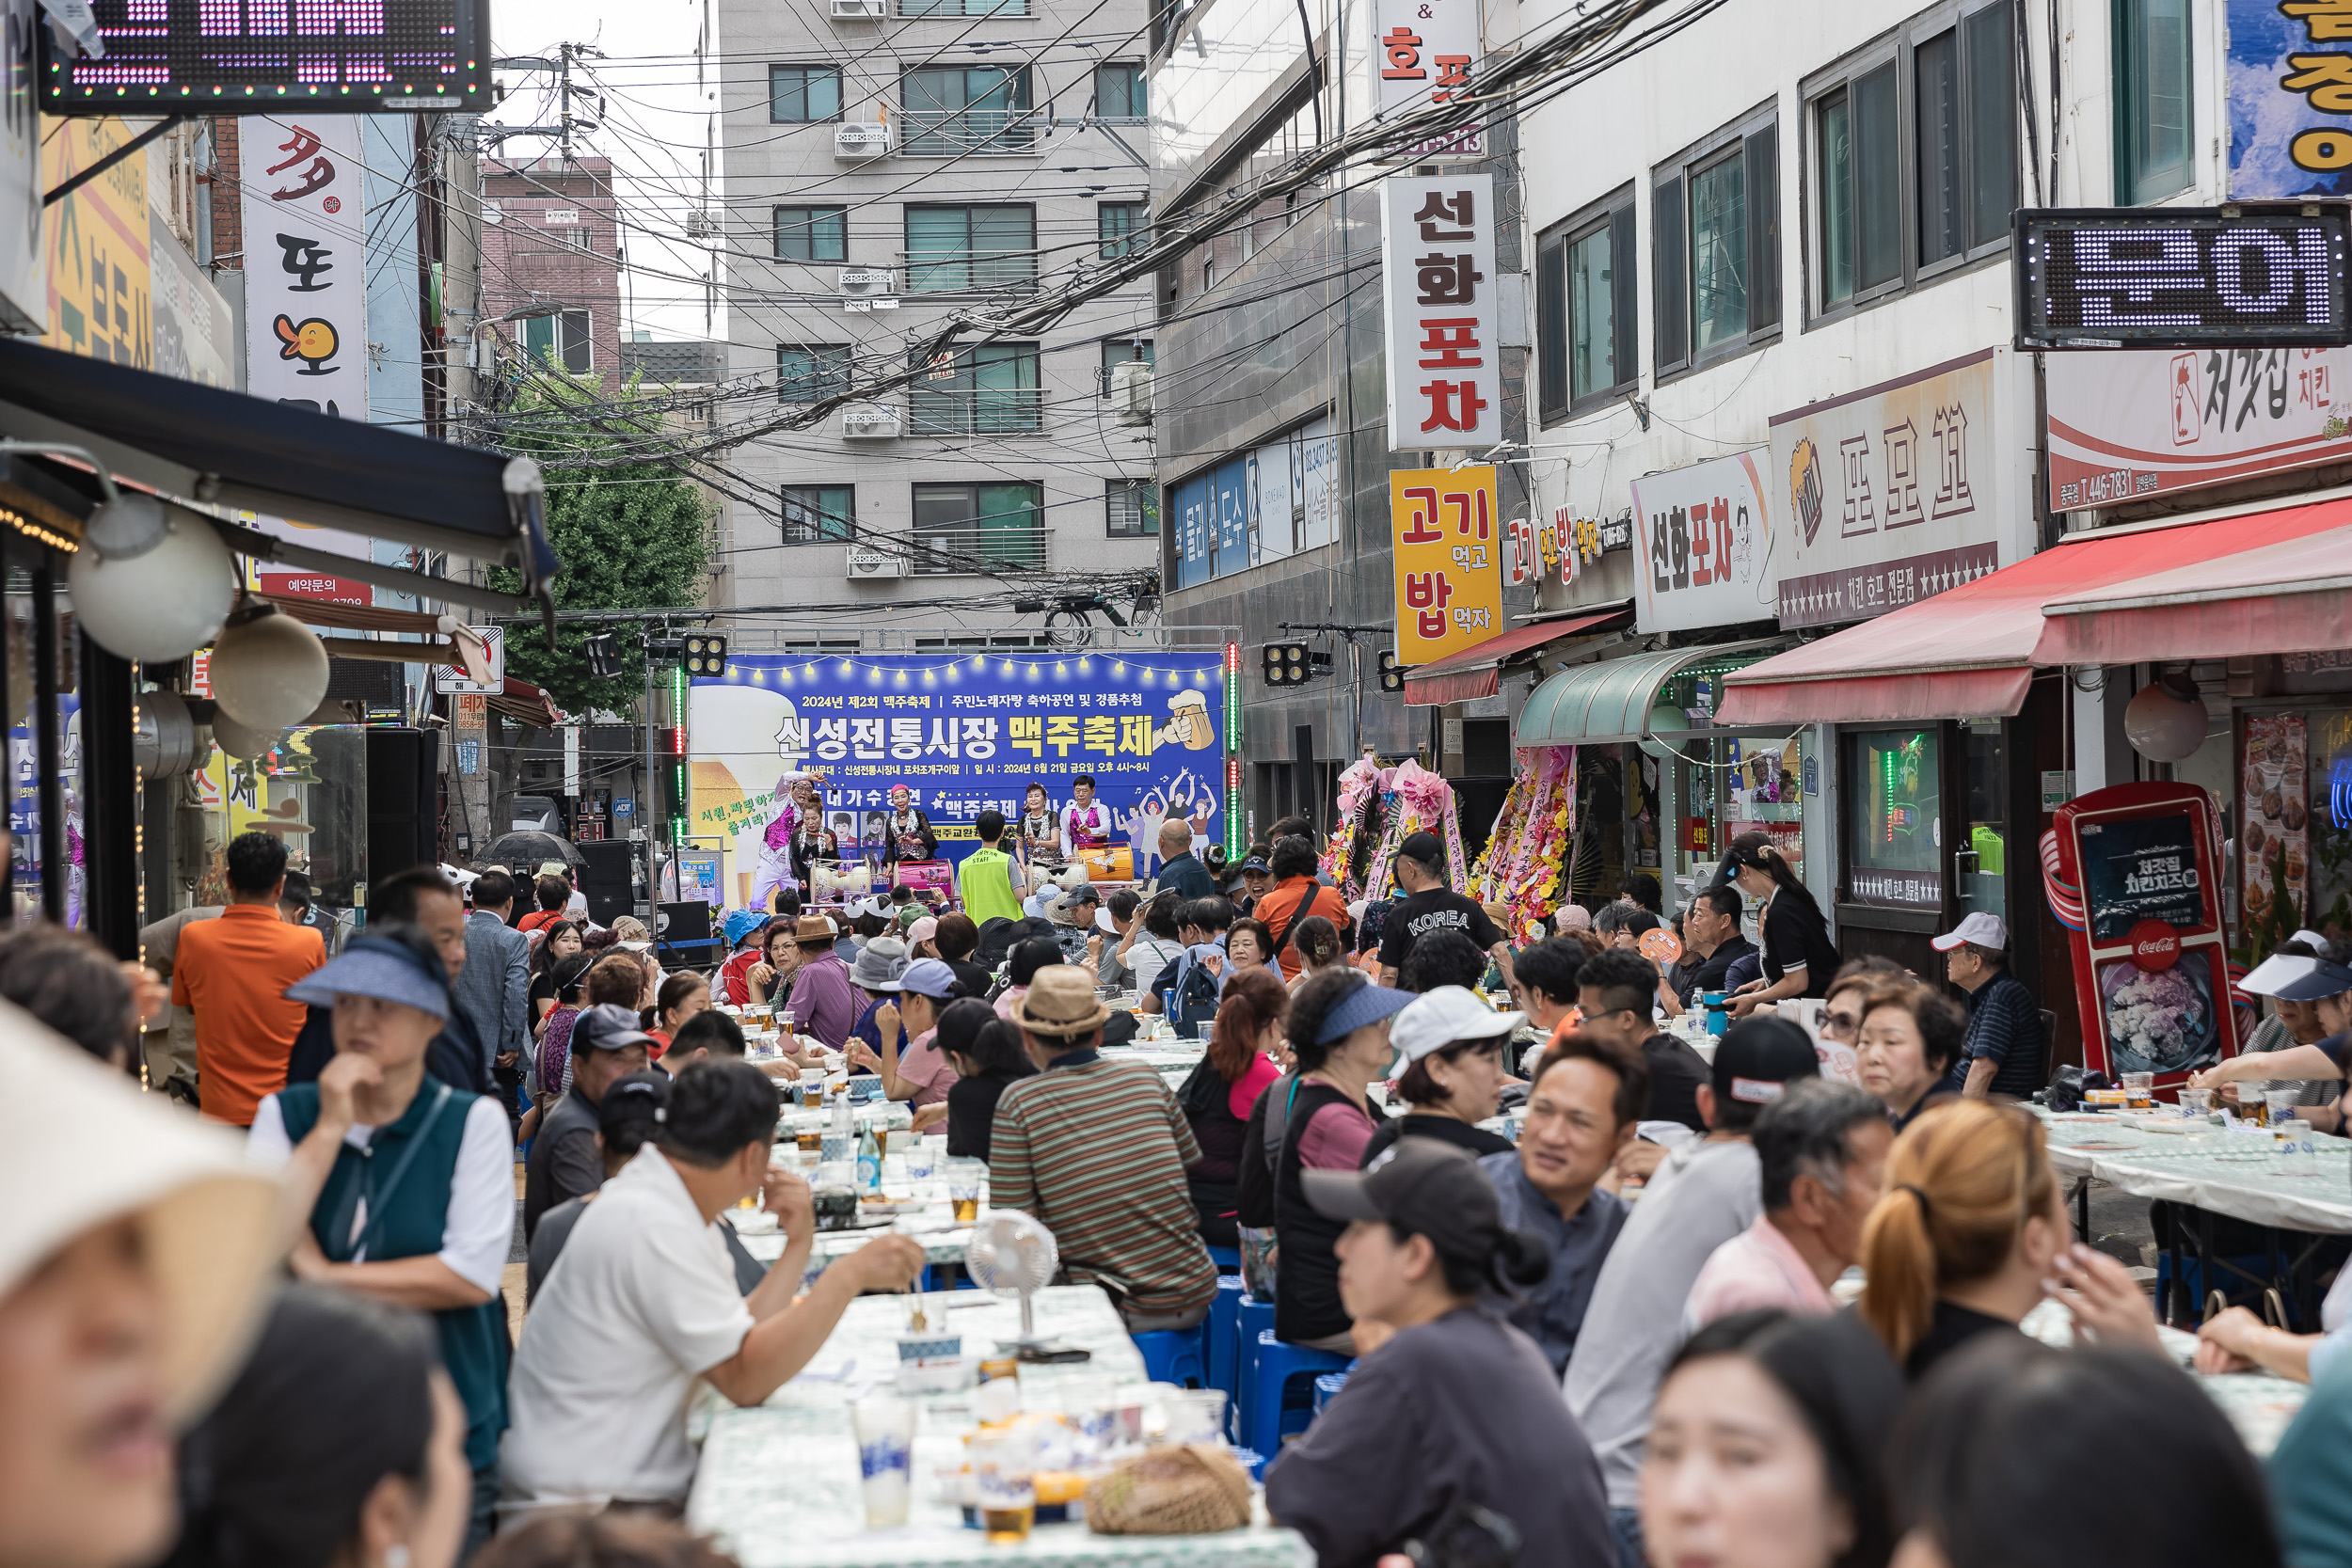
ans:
x=630 y=538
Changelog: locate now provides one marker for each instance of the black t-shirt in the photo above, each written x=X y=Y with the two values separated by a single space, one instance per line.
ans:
x=972 y=1113
x=976 y=980
x=1675 y=1072
x=1691 y=979
x=542 y=989
x=1461 y=1134
x=1432 y=908
x=1794 y=935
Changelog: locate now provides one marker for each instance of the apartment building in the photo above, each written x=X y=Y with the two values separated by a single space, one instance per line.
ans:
x=551 y=263
x=889 y=165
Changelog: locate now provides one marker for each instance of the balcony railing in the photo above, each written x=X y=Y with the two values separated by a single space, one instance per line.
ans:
x=948 y=133
x=989 y=411
x=1002 y=548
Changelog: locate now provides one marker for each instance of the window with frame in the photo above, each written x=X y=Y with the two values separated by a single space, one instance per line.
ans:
x=948 y=110
x=1127 y=353
x=986 y=389
x=1131 y=508
x=1923 y=123
x=1715 y=246
x=803 y=94
x=955 y=248
x=561 y=341
x=812 y=233
x=1119 y=91
x=807 y=371
x=1119 y=225
x=814 y=514
x=985 y=527
x=964 y=8
x=2153 y=119
x=1584 y=308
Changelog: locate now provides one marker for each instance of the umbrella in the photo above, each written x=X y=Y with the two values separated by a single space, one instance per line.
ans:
x=530 y=847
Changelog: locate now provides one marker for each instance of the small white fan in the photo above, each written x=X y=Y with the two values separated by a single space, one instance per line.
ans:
x=1012 y=1255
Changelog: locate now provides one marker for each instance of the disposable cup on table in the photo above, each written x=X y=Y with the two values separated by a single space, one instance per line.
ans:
x=2298 y=1155
x=963 y=1188
x=2280 y=1104
x=2197 y=1103
x=884 y=1425
x=2139 y=1091
x=1004 y=1483
x=922 y=1156
x=1195 y=1415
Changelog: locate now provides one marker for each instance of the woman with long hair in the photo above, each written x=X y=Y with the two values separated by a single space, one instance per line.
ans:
x=1217 y=1099
x=1316 y=941
x=1973 y=1222
x=988 y=1054
x=562 y=940
x=681 y=996
x=1798 y=957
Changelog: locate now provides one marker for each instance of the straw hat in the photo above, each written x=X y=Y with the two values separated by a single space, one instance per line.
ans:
x=100 y=1151
x=814 y=930
x=1061 y=1003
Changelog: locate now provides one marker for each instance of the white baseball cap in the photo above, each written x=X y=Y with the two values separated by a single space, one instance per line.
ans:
x=1446 y=1015
x=1985 y=930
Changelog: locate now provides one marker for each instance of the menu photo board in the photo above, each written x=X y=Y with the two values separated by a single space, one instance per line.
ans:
x=2150 y=955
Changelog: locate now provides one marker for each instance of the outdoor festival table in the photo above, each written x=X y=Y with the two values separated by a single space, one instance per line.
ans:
x=2212 y=1172
x=2259 y=1405
x=778 y=1484
x=933 y=1224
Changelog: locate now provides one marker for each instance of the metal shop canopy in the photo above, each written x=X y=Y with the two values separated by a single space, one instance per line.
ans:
x=1477 y=672
x=1611 y=700
x=226 y=449
x=2265 y=582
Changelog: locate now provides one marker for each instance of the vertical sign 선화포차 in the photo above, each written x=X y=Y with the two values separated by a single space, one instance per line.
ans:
x=1438 y=260
x=305 y=303
x=1448 y=560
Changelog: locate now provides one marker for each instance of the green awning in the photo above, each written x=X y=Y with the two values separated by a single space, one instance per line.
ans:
x=1610 y=700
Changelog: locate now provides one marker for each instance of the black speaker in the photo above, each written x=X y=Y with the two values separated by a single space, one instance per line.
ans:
x=682 y=936
x=605 y=878
x=403 y=800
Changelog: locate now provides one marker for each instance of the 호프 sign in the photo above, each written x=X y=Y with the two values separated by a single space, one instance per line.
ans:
x=1425 y=52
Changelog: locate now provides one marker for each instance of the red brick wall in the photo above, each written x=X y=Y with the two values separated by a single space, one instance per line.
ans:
x=527 y=261
x=228 y=210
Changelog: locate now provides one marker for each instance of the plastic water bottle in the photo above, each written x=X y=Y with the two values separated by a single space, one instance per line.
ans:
x=840 y=1141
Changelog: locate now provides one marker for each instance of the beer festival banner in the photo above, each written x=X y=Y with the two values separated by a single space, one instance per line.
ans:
x=964 y=733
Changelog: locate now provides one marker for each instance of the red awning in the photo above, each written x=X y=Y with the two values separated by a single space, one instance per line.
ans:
x=2291 y=597
x=527 y=703
x=1477 y=672
x=1970 y=651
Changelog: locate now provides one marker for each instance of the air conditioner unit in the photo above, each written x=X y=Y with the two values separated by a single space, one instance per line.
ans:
x=870 y=422
x=701 y=224
x=860 y=11
x=864 y=563
x=866 y=283
x=861 y=141
x=1131 y=392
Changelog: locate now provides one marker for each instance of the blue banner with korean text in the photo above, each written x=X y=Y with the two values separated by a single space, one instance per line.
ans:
x=964 y=734
x=2290 y=74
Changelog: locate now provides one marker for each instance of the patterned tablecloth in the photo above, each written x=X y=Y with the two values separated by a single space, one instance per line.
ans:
x=2238 y=1174
x=778 y=1485
x=2260 y=1406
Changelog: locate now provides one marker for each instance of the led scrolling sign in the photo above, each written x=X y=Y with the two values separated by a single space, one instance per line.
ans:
x=2246 y=275
x=353 y=56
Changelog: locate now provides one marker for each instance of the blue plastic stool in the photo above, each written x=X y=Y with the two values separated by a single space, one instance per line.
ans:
x=1256 y=1318
x=1279 y=1365
x=1176 y=1355
x=1327 y=1388
x=1224 y=1330
x=1226 y=1259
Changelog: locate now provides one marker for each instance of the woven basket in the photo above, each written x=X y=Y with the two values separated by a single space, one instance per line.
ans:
x=1196 y=1489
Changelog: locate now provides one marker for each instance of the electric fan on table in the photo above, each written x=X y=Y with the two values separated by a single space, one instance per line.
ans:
x=1012 y=1255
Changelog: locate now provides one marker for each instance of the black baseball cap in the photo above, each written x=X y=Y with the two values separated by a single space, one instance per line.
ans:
x=1424 y=849
x=1420 y=1185
x=640 y=1096
x=1759 y=1056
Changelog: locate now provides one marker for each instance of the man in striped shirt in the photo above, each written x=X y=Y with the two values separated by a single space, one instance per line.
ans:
x=1097 y=1151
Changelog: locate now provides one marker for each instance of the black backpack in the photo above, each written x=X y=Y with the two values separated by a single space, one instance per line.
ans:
x=1193 y=1002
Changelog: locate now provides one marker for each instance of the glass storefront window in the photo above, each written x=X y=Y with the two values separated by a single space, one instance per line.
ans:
x=1984 y=859
x=1896 y=856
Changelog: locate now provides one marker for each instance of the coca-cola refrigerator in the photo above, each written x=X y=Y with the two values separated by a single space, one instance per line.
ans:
x=2135 y=874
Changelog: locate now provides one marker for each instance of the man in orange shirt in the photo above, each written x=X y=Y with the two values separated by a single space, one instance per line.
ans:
x=1295 y=896
x=232 y=972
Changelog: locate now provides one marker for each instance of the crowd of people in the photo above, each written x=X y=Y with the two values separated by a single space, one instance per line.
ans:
x=1628 y=1334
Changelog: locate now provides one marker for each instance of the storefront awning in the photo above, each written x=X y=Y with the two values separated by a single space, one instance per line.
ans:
x=2291 y=597
x=1477 y=672
x=1971 y=650
x=204 y=445
x=1610 y=699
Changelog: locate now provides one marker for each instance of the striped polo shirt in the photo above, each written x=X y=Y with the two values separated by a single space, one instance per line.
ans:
x=1097 y=1151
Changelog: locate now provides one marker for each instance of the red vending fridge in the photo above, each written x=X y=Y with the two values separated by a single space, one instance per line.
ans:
x=2135 y=873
